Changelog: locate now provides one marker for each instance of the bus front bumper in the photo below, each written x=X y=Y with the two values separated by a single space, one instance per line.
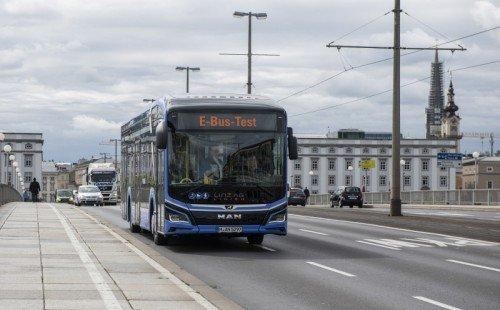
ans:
x=184 y=228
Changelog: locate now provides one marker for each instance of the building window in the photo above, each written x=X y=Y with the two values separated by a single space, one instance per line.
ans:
x=443 y=181
x=489 y=185
x=331 y=180
x=407 y=180
x=407 y=165
x=331 y=150
x=44 y=183
x=425 y=151
x=331 y=163
x=348 y=150
x=348 y=180
x=314 y=164
x=382 y=181
x=383 y=150
x=348 y=163
x=299 y=150
x=382 y=164
x=28 y=160
x=314 y=180
x=366 y=180
x=442 y=168
x=297 y=181
x=366 y=150
x=443 y=150
x=489 y=169
x=9 y=178
x=314 y=150
x=425 y=165
x=297 y=164
x=314 y=192
x=52 y=185
x=28 y=176
x=28 y=146
x=407 y=151
x=425 y=181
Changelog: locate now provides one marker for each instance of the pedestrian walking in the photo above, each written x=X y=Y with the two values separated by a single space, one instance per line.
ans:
x=306 y=192
x=26 y=195
x=34 y=189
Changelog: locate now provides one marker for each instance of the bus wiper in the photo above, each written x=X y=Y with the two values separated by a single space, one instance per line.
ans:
x=256 y=184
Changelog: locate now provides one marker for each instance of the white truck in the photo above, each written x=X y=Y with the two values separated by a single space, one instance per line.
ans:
x=103 y=175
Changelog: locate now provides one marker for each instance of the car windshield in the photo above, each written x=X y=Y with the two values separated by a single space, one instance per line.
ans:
x=352 y=190
x=64 y=193
x=88 y=189
x=295 y=191
x=105 y=176
x=226 y=159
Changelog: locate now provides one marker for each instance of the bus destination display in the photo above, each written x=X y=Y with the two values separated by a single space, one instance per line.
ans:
x=226 y=121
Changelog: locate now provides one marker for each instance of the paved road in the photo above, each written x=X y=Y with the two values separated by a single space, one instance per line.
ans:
x=332 y=264
x=466 y=214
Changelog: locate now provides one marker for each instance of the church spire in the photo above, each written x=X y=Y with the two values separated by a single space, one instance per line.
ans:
x=451 y=108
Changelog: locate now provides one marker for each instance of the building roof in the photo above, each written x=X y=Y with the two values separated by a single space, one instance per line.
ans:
x=48 y=167
x=486 y=159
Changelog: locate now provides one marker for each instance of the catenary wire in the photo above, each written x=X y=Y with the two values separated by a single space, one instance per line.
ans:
x=360 y=27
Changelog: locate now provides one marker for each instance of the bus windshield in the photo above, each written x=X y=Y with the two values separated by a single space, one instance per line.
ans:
x=222 y=167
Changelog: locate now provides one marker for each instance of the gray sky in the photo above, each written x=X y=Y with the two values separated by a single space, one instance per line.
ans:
x=77 y=70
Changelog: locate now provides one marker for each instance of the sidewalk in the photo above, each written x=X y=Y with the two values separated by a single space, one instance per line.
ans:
x=58 y=257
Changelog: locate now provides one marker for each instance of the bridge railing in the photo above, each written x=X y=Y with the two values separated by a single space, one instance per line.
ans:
x=8 y=194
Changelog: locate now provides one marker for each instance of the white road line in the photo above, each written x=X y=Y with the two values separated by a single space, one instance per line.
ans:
x=473 y=265
x=313 y=232
x=264 y=247
x=382 y=246
x=331 y=269
x=102 y=287
x=180 y=284
x=389 y=227
x=436 y=303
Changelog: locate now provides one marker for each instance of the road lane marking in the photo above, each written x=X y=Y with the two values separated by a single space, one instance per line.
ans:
x=393 y=228
x=264 y=247
x=436 y=303
x=102 y=287
x=180 y=284
x=473 y=265
x=376 y=244
x=331 y=269
x=313 y=232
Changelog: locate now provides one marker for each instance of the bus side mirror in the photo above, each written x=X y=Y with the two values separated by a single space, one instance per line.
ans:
x=161 y=136
x=292 y=145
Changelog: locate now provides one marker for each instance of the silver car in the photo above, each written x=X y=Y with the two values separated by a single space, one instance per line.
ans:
x=89 y=195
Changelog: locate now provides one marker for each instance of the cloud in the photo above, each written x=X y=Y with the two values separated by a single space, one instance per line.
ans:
x=486 y=14
x=90 y=124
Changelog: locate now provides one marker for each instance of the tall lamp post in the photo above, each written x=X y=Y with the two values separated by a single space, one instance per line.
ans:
x=14 y=174
x=350 y=169
x=187 y=74
x=476 y=156
x=12 y=158
x=402 y=162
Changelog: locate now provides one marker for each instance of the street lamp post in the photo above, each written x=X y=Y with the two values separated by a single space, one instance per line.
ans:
x=2 y=138
x=350 y=169
x=402 y=162
x=14 y=173
x=476 y=156
x=187 y=74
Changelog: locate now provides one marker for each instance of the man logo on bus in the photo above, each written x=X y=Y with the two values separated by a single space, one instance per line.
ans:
x=229 y=216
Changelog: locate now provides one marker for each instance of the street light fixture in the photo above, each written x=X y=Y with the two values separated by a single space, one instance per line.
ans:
x=476 y=156
x=187 y=74
x=351 y=168
x=402 y=162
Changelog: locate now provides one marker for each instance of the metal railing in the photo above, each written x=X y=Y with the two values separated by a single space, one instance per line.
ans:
x=488 y=197
x=8 y=194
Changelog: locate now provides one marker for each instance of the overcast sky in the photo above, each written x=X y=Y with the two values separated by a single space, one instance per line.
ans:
x=77 y=70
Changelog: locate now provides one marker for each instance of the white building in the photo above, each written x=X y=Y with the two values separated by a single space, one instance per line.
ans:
x=324 y=160
x=28 y=150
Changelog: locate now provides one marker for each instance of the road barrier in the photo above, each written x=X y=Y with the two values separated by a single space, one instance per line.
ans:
x=488 y=197
x=8 y=194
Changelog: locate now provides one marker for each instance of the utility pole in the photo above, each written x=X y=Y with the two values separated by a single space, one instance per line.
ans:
x=187 y=74
x=395 y=209
x=104 y=156
x=115 y=142
x=249 y=53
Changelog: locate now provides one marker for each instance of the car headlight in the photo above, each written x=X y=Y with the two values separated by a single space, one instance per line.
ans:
x=70 y=198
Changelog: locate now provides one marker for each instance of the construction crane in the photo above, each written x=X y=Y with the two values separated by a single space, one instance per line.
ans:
x=483 y=135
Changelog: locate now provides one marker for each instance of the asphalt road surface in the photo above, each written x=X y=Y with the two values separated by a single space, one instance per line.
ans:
x=335 y=264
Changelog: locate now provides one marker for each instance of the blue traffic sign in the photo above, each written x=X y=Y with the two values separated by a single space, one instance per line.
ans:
x=450 y=156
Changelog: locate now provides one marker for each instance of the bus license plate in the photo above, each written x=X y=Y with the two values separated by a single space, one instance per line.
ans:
x=230 y=229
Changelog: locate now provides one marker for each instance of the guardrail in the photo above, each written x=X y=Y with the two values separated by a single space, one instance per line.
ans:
x=8 y=194
x=488 y=197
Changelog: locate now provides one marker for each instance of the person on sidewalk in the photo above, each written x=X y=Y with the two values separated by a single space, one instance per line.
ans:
x=306 y=192
x=26 y=195
x=34 y=189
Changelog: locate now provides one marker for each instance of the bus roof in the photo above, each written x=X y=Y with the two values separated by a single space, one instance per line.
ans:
x=224 y=101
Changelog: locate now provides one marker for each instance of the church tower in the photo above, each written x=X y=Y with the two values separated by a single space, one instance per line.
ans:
x=450 y=122
x=434 y=110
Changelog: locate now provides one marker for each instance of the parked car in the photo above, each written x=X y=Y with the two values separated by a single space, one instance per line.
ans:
x=347 y=196
x=297 y=197
x=89 y=195
x=64 y=195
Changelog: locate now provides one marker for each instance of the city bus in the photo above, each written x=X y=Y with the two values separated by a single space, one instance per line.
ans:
x=207 y=165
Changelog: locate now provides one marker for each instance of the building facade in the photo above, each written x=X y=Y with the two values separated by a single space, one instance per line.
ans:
x=485 y=172
x=28 y=150
x=55 y=176
x=324 y=162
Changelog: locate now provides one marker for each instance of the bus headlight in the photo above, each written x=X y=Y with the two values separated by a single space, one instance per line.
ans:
x=278 y=217
x=178 y=217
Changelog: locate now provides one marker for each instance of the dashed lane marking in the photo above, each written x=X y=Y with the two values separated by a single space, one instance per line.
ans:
x=264 y=247
x=473 y=265
x=436 y=303
x=380 y=245
x=102 y=287
x=331 y=269
x=313 y=232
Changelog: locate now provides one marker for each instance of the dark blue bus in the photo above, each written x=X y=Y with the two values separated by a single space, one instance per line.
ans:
x=213 y=165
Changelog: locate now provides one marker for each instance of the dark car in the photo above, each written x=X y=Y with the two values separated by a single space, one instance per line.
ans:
x=297 y=197
x=64 y=195
x=347 y=196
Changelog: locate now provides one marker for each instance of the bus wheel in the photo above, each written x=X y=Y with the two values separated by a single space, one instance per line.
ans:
x=134 y=228
x=255 y=239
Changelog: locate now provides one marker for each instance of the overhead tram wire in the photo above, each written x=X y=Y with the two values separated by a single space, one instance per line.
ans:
x=383 y=60
x=360 y=27
x=426 y=25
x=388 y=90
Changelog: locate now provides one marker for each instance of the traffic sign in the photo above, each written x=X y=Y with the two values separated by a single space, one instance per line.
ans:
x=367 y=164
x=450 y=156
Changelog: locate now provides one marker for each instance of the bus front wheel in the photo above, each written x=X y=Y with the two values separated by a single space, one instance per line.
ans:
x=255 y=239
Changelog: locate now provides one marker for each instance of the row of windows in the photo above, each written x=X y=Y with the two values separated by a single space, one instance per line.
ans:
x=27 y=146
x=365 y=150
x=349 y=162
x=28 y=160
x=383 y=181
